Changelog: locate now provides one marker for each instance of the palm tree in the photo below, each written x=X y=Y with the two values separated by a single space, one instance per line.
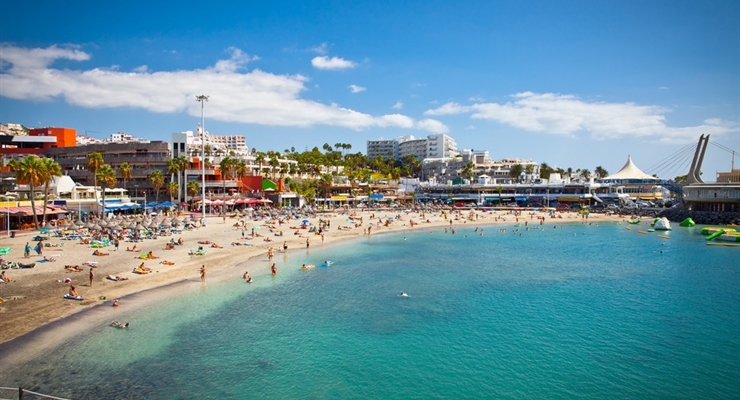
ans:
x=273 y=163
x=125 y=170
x=601 y=172
x=184 y=165
x=516 y=171
x=325 y=184
x=51 y=169
x=227 y=166
x=94 y=161
x=107 y=177
x=193 y=188
x=30 y=171
x=173 y=189
x=545 y=171
x=529 y=169
x=173 y=169
x=586 y=174
x=157 y=181
x=240 y=171
x=500 y=190
x=259 y=159
x=467 y=171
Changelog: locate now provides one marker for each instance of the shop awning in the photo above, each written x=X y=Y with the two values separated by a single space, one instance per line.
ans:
x=27 y=211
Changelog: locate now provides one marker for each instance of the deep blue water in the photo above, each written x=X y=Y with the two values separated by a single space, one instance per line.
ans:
x=577 y=311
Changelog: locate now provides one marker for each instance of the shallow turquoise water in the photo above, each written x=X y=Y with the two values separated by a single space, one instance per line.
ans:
x=577 y=311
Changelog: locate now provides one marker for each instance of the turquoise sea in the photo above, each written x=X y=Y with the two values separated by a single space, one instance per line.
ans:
x=553 y=312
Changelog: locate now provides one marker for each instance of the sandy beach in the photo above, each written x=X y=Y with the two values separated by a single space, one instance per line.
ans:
x=34 y=297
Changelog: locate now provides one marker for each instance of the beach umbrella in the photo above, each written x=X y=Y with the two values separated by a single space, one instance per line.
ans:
x=139 y=227
x=114 y=227
x=96 y=227
x=73 y=227
x=89 y=225
x=166 y=223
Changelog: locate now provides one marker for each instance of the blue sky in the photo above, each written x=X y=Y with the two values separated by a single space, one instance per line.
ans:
x=572 y=83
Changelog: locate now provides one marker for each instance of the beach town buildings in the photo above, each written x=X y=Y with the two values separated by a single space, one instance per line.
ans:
x=433 y=146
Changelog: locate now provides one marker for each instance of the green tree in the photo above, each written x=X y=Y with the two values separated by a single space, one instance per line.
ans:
x=193 y=188
x=94 y=161
x=227 y=166
x=157 y=181
x=184 y=166
x=173 y=188
x=467 y=171
x=516 y=171
x=601 y=172
x=107 y=177
x=125 y=170
x=259 y=159
x=545 y=171
x=30 y=171
x=51 y=169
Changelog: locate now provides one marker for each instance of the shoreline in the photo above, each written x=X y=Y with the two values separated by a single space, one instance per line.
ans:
x=41 y=309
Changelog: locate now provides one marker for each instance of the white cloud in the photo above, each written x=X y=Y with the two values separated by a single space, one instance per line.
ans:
x=356 y=89
x=236 y=95
x=322 y=49
x=567 y=115
x=396 y=120
x=448 y=109
x=141 y=68
x=398 y=105
x=324 y=62
x=432 y=125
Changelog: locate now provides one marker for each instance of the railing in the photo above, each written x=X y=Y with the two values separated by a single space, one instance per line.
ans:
x=22 y=392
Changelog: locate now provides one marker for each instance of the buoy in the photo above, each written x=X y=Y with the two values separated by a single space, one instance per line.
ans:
x=664 y=236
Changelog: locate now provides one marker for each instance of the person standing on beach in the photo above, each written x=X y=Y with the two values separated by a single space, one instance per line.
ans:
x=39 y=248
x=27 y=251
x=203 y=273
x=307 y=242
x=92 y=276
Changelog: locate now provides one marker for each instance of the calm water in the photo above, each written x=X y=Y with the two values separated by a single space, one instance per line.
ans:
x=580 y=311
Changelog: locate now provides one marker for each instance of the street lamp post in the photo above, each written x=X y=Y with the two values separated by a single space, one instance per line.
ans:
x=203 y=99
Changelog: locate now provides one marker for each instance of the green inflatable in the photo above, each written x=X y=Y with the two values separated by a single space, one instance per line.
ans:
x=687 y=222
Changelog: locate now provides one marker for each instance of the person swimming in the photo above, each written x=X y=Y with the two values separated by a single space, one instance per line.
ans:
x=403 y=294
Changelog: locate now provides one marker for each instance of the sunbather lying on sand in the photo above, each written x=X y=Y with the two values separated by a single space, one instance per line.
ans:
x=49 y=258
x=99 y=253
x=141 y=269
x=116 y=278
x=132 y=248
x=217 y=246
x=167 y=262
x=204 y=242
x=73 y=268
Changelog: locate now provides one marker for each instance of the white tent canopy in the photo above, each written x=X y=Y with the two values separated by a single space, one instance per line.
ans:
x=630 y=171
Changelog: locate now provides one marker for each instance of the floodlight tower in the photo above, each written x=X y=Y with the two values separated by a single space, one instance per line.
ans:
x=203 y=99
